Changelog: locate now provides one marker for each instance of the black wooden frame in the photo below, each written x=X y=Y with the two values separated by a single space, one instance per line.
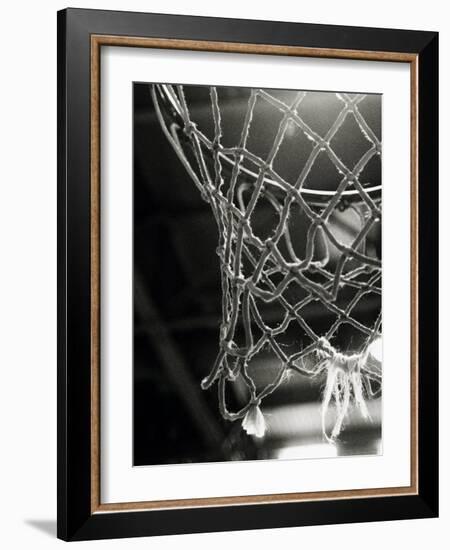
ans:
x=75 y=520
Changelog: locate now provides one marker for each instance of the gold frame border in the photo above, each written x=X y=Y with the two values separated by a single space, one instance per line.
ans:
x=97 y=41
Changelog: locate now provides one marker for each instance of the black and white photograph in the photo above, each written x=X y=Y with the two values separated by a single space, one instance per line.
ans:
x=224 y=292
x=257 y=274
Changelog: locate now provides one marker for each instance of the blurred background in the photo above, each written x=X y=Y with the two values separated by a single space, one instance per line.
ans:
x=177 y=292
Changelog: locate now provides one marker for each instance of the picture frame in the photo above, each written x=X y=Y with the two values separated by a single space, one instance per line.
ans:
x=81 y=36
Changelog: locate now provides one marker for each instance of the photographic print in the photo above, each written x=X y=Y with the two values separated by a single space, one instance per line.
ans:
x=247 y=296
x=257 y=274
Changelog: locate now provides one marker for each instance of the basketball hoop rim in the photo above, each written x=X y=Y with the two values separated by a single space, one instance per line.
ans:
x=315 y=197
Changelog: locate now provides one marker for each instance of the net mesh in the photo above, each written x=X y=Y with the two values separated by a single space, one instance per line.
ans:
x=282 y=247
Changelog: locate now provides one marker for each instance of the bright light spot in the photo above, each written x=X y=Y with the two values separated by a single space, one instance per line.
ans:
x=291 y=129
x=376 y=349
x=318 y=450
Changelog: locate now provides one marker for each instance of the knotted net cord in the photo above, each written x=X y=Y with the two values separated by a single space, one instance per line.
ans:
x=232 y=189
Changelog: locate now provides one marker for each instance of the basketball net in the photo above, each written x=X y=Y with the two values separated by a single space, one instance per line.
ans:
x=261 y=271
